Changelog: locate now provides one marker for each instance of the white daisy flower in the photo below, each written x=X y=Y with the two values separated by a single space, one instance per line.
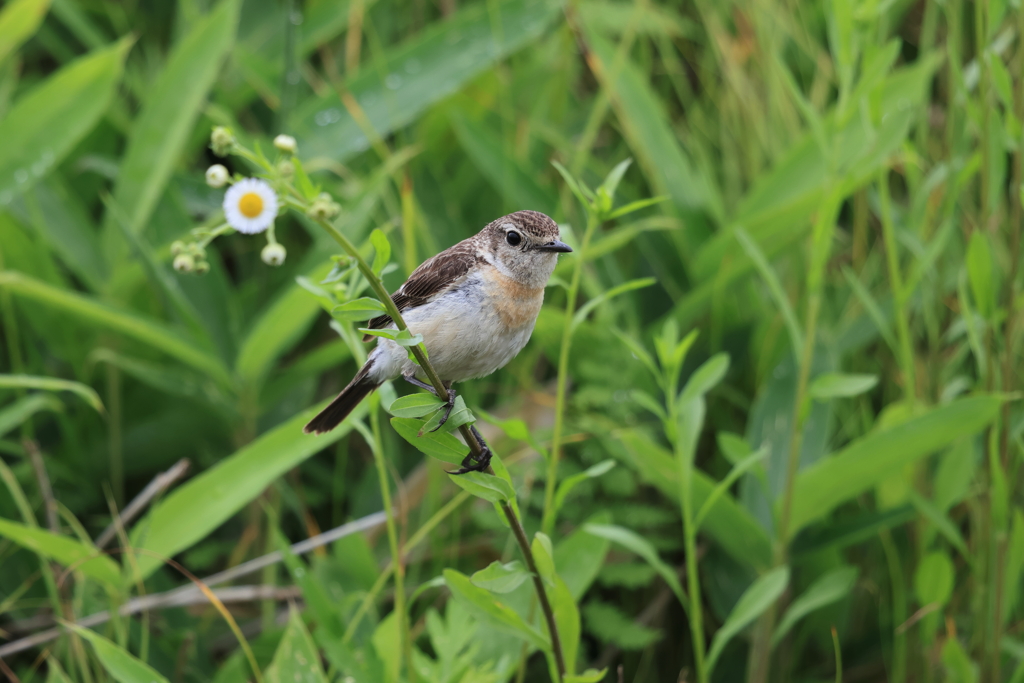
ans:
x=285 y=143
x=250 y=206
x=216 y=176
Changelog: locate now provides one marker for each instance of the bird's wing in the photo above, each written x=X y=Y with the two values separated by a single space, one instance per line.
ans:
x=434 y=276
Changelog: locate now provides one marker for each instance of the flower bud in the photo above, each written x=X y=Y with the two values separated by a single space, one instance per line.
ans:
x=273 y=254
x=222 y=141
x=183 y=263
x=286 y=168
x=177 y=247
x=202 y=268
x=216 y=176
x=323 y=208
x=285 y=143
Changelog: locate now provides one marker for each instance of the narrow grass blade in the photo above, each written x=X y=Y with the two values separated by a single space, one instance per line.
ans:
x=46 y=123
x=872 y=458
x=148 y=332
x=85 y=392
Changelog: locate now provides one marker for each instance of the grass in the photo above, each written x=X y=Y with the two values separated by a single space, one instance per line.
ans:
x=767 y=426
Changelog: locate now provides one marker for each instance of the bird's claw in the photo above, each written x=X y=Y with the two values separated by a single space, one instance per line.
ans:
x=472 y=464
x=447 y=410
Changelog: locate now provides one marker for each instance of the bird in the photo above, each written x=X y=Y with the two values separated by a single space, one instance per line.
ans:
x=475 y=304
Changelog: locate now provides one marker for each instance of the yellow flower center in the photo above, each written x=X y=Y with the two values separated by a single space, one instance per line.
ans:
x=251 y=205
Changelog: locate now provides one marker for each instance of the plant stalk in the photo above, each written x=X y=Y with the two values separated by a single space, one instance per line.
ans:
x=548 y=520
x=906 y=351
x=475 y=446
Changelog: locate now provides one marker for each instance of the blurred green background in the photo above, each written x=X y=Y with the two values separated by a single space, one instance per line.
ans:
x=832 y=495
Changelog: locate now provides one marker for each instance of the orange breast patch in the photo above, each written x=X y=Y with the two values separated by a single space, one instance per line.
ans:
x=516 y=304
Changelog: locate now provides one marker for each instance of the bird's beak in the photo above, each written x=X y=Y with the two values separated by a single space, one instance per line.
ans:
x=556 y=246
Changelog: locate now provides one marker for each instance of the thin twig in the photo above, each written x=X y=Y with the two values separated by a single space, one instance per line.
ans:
x=191 y=592
x=159 y=484
x=475 y=442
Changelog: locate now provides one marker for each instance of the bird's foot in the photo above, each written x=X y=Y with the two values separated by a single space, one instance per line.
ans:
x=411 y=379
x=473 y=463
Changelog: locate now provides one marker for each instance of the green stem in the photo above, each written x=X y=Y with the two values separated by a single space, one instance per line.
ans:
x=760 y=658
x=696 y=612
x=548 y=520
x=475 y=446
x=899 y=294
x=899 y=609
x=405 y=644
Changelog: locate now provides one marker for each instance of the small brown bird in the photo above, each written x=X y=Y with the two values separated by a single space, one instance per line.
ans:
x=475 y=304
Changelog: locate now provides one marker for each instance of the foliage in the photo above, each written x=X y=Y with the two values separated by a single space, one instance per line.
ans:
x=766 y=428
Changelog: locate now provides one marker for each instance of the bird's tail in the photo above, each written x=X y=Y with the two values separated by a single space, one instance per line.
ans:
x=359 y=388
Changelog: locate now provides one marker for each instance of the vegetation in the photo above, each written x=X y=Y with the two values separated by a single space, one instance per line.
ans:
x=767 y=427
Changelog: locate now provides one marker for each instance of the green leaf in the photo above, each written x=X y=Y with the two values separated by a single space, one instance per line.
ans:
x=796 y=337
x=614 y=177
x=567 y=485
x=507 y=174
x=280 y=326
x=45 y=124
x=942 y=523
x=141 y=329
x=872 y=458
x=18 y=21
x=738 y=470
x=415 y=405
x=195 y=509
x=979 y=271
x=637 y=544
x=572 y=183
x=173 y=102
x=359 y=309
x=297 y=659
x=777 y=209
x=959 y=666
x=1014 y=566
x=727 y=522
x=382 y=250
x=303 y=184
x=610 y=625
x=425 y=69
x=642 y=115
x=486 y=607
x=13 y=415
x=118 y=662
x=705 y=378
x=607 y=295
x=54 y=672
x=838 y=384
x=68 y=552
x=638 y=351
x=627 y=209
x=487 y=486
x=581 y=555
x=501 y=578
x=831 y=587
x=83 y=391
x=444 y=447
x=567 y=615
x=407 y=339
x=588 y=676
x=934 y=579
x=755 y=600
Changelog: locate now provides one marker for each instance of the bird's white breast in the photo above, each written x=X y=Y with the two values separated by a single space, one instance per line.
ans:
x=470 y=330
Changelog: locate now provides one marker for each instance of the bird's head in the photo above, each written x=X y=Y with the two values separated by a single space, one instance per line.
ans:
x=524 y=246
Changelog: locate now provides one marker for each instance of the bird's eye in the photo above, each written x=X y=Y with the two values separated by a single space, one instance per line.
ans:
x=513 y=238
